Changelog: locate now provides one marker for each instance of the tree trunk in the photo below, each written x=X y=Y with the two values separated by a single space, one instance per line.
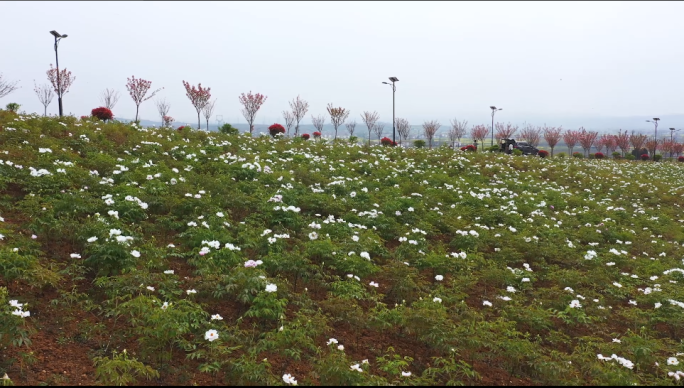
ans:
x=207 y=125
x=369 y=137
x=137 y=107
x=199 y=123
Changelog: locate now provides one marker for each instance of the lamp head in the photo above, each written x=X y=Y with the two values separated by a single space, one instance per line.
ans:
x=386 y=83
x=55 y=34
x=394 y=79
x=64 y=36
x=655 y=119
x=492 y=107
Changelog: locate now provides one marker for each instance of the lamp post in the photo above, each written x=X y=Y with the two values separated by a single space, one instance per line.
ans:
x=672 y=131
x=58 y=37
x=494 y=109
x=655 y=135
x=394 y=90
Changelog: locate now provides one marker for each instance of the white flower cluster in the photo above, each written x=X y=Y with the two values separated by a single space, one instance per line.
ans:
x=140 y=203
x=276 y=198
x=288 y=379
x=19 y=309
x=39 y=173
x=289 y=208
x=622 y=361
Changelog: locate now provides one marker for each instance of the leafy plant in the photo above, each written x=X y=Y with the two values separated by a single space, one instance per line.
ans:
x=121 y=370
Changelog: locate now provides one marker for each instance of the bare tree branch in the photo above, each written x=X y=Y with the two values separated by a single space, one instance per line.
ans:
x=45 y=94
x=109 y=98
x=457 y=131
x=208 y=110
x=378 y=128
x=370 y=119
x=403 y=128
x=351 y=126
x=318 y=122
x=163 y=108
x=289 y=120
x=299 y=109
x=430 y=128
x=7 y=87
x=337 y=116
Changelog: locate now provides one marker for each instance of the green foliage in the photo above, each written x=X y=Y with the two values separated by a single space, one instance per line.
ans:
x=14 y=330
x=658 y=157
x=228 y=129
x=630 y=157
x=466 y=263
x=561 y=155
x=120 y=370
x=419 y=143
x=160 y=328
x=13 y=107
x=517 y=152
x=6 y=381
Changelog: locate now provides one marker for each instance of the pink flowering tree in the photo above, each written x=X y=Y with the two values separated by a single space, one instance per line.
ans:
x=622 y=141
x=552 y=135
x=251 y=104
x=199 y=97
x=571 y=137
x=138 y=89
x=61 y=82
x=587 y=139
x=479 y=133
x=505 y=131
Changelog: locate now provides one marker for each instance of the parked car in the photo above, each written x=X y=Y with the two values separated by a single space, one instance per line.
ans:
x=525 y=147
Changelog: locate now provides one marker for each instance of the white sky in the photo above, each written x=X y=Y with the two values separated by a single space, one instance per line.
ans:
x=453 y=59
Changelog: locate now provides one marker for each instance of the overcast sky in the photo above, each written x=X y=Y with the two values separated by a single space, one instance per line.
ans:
x=540 y=61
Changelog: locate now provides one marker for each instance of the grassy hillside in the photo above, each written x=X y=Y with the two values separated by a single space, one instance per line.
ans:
x=168 y=257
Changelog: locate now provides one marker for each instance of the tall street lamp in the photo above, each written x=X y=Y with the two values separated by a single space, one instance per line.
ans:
x=394 y=90
x=655 y=135
x=494 y=109
x=672 y=131
x=58 y=37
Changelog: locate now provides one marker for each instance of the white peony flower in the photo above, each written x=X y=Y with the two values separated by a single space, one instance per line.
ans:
x=211 y=335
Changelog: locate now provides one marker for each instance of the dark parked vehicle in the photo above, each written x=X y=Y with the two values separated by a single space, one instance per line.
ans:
x=525 y=147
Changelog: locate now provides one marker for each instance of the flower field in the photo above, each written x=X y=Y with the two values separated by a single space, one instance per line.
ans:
x=156 y=256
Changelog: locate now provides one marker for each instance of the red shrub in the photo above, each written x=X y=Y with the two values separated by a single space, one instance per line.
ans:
x=681 y=158
x=469 y=147
x=599 y=155
x=182 y=127
x=306 y=136
x=276 y=129
x=386 y=141
x=645 y=157
x=543 y=153
x=102 y=113
x=317 y=135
